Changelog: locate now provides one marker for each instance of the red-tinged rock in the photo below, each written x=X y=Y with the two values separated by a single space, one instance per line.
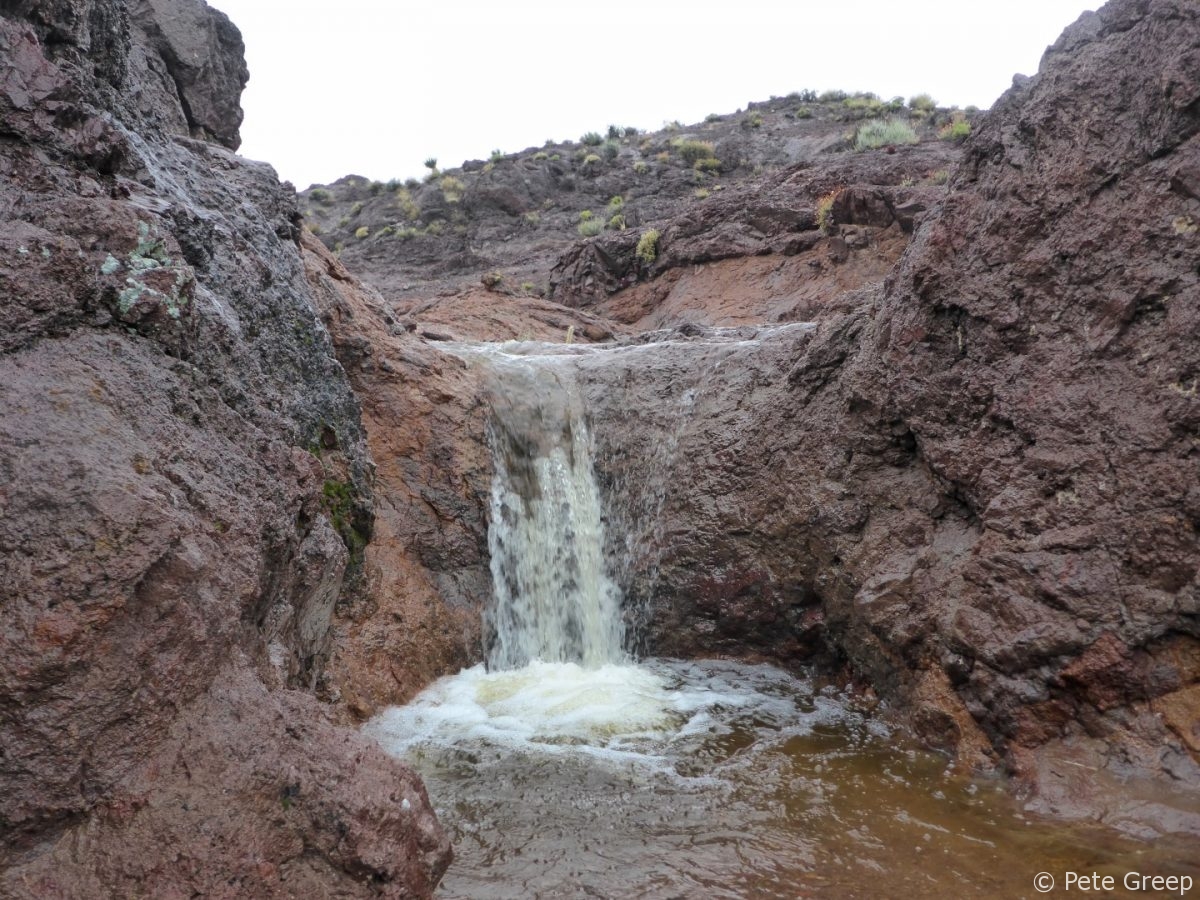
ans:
x=183 y=489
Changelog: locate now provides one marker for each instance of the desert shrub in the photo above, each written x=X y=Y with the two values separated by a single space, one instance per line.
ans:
x=804 y=96
x=713 y=117
x=585 y=215
x=385 y=231
x=497 y=155
x=694 y=151
x=754 y=120
x=554 y=157
x=407 y=234
x=941 y=176
x=375 y=188
x=313 y=228
x=631 y=132
x=592 y=139
x=394 y=185
x=861 y=106
x=895 y=105
x=700 y=193
x=640 y=167
x=343 y=221
x=320 y=195
x=431 y=164
x=615 y=132
x=540 y=155
x=488 y=166
x=708 y=165
x=832 y=97
x=617 y=222
x=590 y=228
x=647 y=246
x=591 y=160
x=803 y=113
x=362 y=232
x=616 y=202
x=528 y=287
x=825 y=212
x=958 y=130
x=664 y=156
x=435 y=228
x=356 y=208
x=452 y=189
x=610 y=149
x=883 y=133
x=408 y=206
x=491 y=280
x=532 y=219
x=922 y=103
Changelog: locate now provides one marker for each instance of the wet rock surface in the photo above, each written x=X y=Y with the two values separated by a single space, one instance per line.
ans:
x=184 y=489
x=236 y=480
x=425 y=571
x=972 y=483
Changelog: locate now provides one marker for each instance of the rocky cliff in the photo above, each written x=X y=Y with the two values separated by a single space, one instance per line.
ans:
x=972 y=483
x=969 y=484
x=184 y=486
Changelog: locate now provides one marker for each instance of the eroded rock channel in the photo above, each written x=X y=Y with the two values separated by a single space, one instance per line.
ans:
x=890 y=459
x=567 y=765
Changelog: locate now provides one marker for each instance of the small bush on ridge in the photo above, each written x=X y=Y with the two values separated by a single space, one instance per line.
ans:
x=647 y=246
x=883 y=133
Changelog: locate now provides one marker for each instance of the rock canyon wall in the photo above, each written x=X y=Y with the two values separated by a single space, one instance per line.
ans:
x=244 y=496
x=972 y=483
x=184 y=490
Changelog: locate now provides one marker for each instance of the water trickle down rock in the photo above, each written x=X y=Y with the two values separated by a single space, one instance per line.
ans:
x=555 y=599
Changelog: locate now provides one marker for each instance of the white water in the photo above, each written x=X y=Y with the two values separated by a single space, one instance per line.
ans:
x=555 y=601
x=558 y=678
x=564 y=769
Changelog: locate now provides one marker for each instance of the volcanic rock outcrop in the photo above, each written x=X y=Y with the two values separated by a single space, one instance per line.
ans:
x=973 y=483
x=184 y=490
x=977 y=487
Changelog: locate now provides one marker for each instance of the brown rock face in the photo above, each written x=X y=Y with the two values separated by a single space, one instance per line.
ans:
x=183 y=484
x=426 y=568
x=985 y=472
x=974 y=481
x=1040 y=341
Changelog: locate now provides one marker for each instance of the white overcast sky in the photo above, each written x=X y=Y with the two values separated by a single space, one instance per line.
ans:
x=374 y=88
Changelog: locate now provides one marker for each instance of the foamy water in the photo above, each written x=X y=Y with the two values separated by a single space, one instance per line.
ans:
x=649 y=712
x=565 y=770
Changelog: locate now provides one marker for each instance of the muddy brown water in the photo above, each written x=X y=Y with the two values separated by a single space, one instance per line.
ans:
x=569 y=771
x=701 y=779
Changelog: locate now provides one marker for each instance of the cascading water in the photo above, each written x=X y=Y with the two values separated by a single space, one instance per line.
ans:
x=566 y=769
x=555 y=600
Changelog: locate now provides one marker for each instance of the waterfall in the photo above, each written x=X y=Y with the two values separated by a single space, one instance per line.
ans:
x=555 y=599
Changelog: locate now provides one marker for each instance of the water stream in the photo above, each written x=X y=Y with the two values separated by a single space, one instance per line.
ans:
x=566 y=768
